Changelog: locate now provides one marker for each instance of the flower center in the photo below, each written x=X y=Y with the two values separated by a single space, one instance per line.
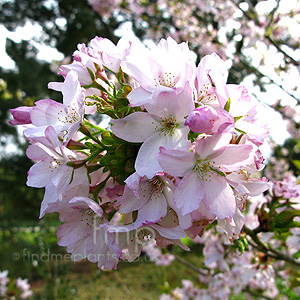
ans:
x=205 y=168
x=204 y=95
x=168 y=125
x=90 y=218
x=70 y=117
x=156 y=185
x=54 y=164
x=167 y=79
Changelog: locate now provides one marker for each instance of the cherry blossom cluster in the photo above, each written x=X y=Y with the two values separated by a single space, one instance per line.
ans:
x=155 y=254
x=227 y=272
x=19 y=290
x=181 y=151
x=223 y=277
x=259 y=36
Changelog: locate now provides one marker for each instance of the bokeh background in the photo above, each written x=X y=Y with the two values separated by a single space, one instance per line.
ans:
x=259 y=40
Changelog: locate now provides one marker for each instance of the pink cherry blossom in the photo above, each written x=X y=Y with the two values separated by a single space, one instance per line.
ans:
x=25 y=288
x=21 y=115
x=145 y=196
x=165 y=67
x=248 y=112
x=211 y=80
x=287 y=188
x=51 y=170
x=203 y=173
x=163 y=125
x=83 y=236
x=155 y=254
x=206 y=120
x=233 y=226
x=64 y=117
x=108 y=54
x=81 y=64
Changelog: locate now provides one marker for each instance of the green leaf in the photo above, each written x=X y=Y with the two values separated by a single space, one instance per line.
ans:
x=192 y=135
x=237 y=118
x=297 y=255
x=240 y=131
x=124 y=91
x=296 y=163
x=93 y=126
x=186 y=241
x=121 y=151
x=227 y=105
x=239 y=245
x=107 y=138
x=94 y=97
x=91 y=74
x=285 y=220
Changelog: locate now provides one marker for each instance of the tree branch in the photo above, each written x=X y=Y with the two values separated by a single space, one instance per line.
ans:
x=268 y=250
x=259 y=73
x=189 y=265
x=247 y=290
x=273 y=42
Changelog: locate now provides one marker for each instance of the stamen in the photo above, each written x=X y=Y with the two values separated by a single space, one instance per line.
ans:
x=205 y=168
x=70 y=117
x=90 y=218
x=167 y=79
x=204 y=97
x=168 y=125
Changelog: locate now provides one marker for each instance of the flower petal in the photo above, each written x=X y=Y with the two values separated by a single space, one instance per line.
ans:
x=176 y=162
x=177 y=103
x=89 y=202
x=47 y=112
x=135 y=128
x=138 y=97
x=219 y=198
x=129 y=202
x=153 y=211
x=146 y=162
x=50 y=196
x=235 y=157
x=189 y=193
x=39 y=174
x=213 y=146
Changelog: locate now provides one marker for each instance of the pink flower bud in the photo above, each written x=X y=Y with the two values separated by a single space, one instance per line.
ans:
x=207 y=120
x=21 y=115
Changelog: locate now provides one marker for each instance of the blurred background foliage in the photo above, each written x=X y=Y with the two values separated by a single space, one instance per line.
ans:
x=26 y=83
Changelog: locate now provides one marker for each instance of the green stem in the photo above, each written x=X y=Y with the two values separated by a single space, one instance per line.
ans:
x=86 y=122
x=164 y=274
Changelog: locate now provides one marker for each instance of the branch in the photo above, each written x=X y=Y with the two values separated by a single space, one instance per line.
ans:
x=189 y=265
x=247 y=290
x=259 y=73
x=267 y=249
x=277 y=46
x=257 y=23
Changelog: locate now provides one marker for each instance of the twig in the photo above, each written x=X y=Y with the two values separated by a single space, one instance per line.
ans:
x=123 y=285
x=247 y=290
x=273 y=42
x=277 y=46
x=189 y=265
x=268 y=250
x=259 y=73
